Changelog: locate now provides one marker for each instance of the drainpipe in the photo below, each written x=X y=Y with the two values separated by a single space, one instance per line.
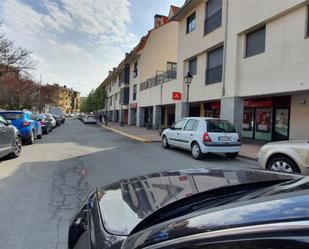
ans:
x=225 y=48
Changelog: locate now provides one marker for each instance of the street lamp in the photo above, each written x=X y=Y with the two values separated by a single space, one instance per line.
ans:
x=188 y=79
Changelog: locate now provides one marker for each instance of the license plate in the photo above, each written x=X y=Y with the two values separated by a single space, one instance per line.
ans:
x=224 y=139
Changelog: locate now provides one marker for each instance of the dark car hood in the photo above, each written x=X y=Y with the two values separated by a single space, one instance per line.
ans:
x=126 y=203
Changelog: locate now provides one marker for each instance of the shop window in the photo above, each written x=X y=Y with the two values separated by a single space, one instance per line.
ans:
x=255 y=42
x=214 y=66
x=191 y=23
x=281 y=128
x=263 y=126
x=193 y=66
x=213 y=15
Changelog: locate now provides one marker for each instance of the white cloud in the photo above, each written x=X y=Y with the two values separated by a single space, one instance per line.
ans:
x=76 y=42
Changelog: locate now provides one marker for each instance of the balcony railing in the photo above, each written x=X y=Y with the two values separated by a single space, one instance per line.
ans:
x=158 y=79
x=213 y=75
x=213 y=22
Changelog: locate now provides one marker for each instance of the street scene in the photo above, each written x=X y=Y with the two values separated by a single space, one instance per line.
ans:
x=42 y=189
x=167 y=124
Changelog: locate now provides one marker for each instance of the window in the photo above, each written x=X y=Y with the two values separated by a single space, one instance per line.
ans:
x=214 y=66
x=191 y=23
x=180 y=124
x=134 y=91
x=191 y=125
x=255 y=42
x=193 y=66
x=220 y=126
x=213 y=15
x=171 y=70
x=110 y=87
x=110 y=100
x=135 y=73
x=2 y=120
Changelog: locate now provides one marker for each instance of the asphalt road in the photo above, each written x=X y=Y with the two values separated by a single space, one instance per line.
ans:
x=44 y=187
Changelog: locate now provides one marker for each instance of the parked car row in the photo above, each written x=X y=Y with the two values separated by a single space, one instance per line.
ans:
x=23 y=127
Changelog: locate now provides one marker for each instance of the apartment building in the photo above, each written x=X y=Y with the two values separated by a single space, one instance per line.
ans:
x=249 y=61
x=66 y=98
x=139 y=88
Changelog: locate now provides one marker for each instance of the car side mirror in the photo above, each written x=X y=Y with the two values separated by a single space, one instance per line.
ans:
x=173 y=127
x=50 y=119
x=8 y=122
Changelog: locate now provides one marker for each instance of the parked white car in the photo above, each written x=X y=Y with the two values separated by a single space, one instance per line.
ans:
x=52 y=120
x=90 y=119
x=285 y=156
x=203 y=135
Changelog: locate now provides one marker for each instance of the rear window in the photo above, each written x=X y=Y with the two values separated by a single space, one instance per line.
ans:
x=41 y=117
x=220 y=126
x=12 y=116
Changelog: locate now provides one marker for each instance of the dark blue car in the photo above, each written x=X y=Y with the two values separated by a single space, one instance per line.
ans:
x=28 y=127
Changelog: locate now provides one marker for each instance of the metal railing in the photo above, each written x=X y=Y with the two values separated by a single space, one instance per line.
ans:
x=213 y=75
x=158 y=79
x=213 y=22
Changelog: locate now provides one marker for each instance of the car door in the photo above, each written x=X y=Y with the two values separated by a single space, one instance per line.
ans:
x=189 y=132
x=174 y=135
x=6 y=137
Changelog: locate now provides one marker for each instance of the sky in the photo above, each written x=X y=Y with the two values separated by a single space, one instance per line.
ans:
x=76 y=42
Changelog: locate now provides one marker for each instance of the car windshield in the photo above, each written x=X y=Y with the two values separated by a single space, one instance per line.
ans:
x=12 y=115
x=41 y=117
x=220 y=126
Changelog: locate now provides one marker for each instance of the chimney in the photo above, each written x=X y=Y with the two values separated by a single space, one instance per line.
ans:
x=109 y=72
x=159 y=20
x=127 y=54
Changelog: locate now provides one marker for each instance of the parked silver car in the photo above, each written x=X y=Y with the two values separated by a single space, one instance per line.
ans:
x=203 y=135
x=10 y=139
x=285 y=156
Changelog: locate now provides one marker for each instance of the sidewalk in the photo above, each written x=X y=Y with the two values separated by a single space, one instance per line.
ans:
x=249 y=148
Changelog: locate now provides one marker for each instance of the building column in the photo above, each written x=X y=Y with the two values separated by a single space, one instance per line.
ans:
x=156 y=117
x=232 y=109
x=114 y=116
x=121 y=116
x=140 y=114
x=202 y=110
x=180 y=110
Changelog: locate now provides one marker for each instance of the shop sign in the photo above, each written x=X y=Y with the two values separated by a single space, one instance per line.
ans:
x=133 y=105
x=265 y=102
x=176 y=96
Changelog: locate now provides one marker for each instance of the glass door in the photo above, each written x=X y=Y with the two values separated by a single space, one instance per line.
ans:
x=281 y=124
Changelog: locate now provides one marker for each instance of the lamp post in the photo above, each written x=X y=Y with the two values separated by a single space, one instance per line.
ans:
x=188 y=79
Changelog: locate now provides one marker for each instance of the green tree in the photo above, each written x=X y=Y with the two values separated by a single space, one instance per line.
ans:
x=94 y=101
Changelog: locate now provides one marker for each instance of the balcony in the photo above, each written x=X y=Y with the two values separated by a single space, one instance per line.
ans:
x=158 y=79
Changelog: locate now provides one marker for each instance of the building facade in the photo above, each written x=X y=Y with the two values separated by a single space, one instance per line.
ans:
x=66 y=98
x=249 y=61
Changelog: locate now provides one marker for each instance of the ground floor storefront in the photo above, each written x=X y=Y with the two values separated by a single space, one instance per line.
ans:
x=270 y=118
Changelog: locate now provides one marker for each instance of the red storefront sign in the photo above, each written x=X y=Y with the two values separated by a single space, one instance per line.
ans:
x=133 y=105
x=176 y=96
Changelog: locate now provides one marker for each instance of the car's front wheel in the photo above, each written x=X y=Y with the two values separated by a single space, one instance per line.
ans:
x=283 y=164
x=196 y=151
x=17 y=148
x=165 y=144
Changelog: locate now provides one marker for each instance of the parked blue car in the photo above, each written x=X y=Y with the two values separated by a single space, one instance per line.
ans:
x=28 y=127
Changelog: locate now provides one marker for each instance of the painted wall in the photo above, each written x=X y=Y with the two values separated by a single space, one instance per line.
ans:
x=299 y=116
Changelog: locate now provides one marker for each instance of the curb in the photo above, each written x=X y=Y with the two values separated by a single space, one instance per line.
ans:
x=248 y=158
x=136 y=138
